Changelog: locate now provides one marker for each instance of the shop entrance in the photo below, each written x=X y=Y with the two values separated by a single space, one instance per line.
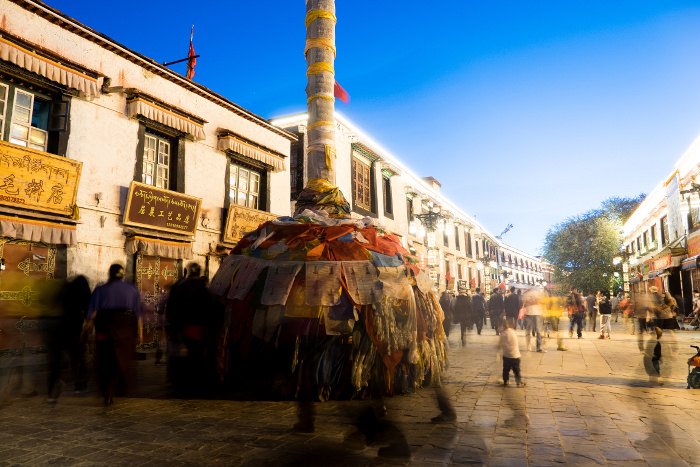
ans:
x=28 y=265
x=154 y=276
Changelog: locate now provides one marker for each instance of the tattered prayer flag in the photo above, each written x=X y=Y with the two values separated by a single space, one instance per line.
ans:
x=192 y=59
x=341 y=93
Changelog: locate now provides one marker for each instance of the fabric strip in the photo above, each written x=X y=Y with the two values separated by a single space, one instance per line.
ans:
x=323 y=285
x=280 y=277
x=247 y=274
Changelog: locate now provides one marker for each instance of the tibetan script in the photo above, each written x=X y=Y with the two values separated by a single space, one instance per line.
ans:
x=156 y=208
x=241 y=220
x=37 y=180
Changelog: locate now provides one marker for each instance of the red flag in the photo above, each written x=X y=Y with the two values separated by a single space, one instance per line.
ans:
x=341 y=93
x=192 y=59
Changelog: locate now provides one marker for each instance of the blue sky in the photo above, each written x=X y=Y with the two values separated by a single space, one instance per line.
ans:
x=527 y=112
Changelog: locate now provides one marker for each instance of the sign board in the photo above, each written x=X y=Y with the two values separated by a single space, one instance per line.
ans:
x=462 y=286
x=662 y=262
x=673 y=202
x=694 y=246
x=241 y=220
x=37 y=180
x=159 y=209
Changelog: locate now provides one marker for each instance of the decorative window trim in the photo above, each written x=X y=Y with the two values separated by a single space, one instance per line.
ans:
x=44 y=64
x=229 y=141
x=152 y=109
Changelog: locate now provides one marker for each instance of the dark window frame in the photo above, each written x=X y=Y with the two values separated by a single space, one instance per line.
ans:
x=176 y=180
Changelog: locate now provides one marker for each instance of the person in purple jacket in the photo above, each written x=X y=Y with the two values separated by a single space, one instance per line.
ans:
x=115 y=310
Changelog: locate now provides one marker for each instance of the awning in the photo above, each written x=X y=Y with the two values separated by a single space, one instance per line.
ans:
x=37 y=230
x=166 y=115
x=60 y=72
x=229 y=142
x=157 y=247
x=690 y=263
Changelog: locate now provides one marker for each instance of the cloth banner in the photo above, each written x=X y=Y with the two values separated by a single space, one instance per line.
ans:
x=280 y=277
x=362 y=280
x=37 y=231
x=395 y=283
x=222 y=278
x=266 y=322
x=323 y=284
x=247 y=274
x=423 y=281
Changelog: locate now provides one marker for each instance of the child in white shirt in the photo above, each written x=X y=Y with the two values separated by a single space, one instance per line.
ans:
x=508 y=346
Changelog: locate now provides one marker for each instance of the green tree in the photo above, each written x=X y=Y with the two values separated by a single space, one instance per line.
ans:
x=583 y=247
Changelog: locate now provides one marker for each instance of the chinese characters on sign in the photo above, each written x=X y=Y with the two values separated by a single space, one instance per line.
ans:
x=37 y=180
x=155 y=208
x=241 y=220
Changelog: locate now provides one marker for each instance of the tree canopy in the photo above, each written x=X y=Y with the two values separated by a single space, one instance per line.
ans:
x=583 y=247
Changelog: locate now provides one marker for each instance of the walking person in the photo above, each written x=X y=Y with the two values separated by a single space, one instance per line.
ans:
x=446 y=305
x=496 y=309
x=478 y=310
x=534 y=316
x=574 y=303
x=553 y=309
x=511 y=305
x=614 y=303
x=509 y=349
x=605 y=310
x=521 y=321
x=115 y=310
x=461 y=310
x=592 y=309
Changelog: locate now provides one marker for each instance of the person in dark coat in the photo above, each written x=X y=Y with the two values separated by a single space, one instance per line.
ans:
x=511 y=305
x=115 y=310
x=496 y=309
x=446 y=305
x=478 y=310
x=461 y=310
x=191 y=324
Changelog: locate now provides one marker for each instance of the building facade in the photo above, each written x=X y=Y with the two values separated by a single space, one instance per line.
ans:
x=107 y=156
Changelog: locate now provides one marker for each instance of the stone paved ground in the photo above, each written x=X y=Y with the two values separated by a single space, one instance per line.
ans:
x=590 y=405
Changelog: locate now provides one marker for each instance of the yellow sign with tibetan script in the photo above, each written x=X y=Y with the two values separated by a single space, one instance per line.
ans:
x=241 y=220
x=37 y=180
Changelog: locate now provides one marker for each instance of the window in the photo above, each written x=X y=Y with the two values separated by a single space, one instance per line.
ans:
x=28 y=119
x=409 y=209
x=386 y=190
x=645 y=239
x=468 y=240
x=156 y=162
x=652 y=231
x=361 y=184
x=457 y=238
x=244 y=186
x=639 y=243
x=664 y=231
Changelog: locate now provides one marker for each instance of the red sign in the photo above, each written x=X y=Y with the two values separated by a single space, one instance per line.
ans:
x=694 y=246
x=662 y=263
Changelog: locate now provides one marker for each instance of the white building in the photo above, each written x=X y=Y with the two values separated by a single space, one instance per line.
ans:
x=107 y=156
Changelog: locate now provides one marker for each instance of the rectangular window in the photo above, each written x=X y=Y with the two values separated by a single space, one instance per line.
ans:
x=664 y=231
x=361 y=184
x=457 y=238
x=639 y=243
x=652 y=231
x=386 y=189
x=244 y=186
x=30 y=121
x=645 y=239
x=445 y=239
x=409 y=209
x=4 y=91
x=468 y=240
x=156 y=162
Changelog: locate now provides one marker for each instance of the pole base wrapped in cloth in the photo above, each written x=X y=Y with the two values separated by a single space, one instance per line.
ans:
x=329 y=303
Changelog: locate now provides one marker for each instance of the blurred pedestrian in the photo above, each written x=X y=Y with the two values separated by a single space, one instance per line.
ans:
x=553 y=309
x=614 y=302
x=191 y=325
x=508 y=347
x=115 y=309
x=511 y=304
x=446 y=305
x=605 y=310
x=478 y=310
x=461 y=309
x=652 y=358
x=534 y=316
x=592 y=309
x=575 y=307
x=496 y=309
x=521 y=313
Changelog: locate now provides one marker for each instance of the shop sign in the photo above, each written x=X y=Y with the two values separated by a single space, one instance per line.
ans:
x=159 y=209
x=662 y=263
x=462 y=286
x=646 y=267
x=241 y=220
x=694 y=246
x=37 y=180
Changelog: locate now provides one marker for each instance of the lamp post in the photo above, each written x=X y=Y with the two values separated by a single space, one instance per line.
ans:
x=430 y=221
